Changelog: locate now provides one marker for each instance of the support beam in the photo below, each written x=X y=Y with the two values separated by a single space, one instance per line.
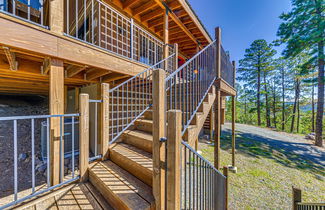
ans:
x=11 y=58
x=211 y=122
x=217 y=130
x=152 y=15
x=104 y=120
x=129 y=3
x=158 y=151
x=74 y=70
x=218 y=38
x=233 y=134
x=76 y=99
x=144 y=8
x=96 y=73
x=166 y=38
x=84 y=137
x=174 y=141
x=56 y=97
x=46 y=65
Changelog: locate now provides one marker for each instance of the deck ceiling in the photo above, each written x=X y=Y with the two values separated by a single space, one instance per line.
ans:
x=184 y=26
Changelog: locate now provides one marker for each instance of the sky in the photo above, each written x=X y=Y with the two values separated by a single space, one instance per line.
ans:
x=241 y=21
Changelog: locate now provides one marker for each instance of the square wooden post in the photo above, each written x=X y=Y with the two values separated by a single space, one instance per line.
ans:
x=218 y=63
x=84 y=136
x=296 y=197
x=166 y=38
x=226 y=173
x=56 y=16
x=105 y=120
x=174 y=141
x=233 y=133
x=211 y=122
x=217 y=130
x=158 y=150
x=56 y=98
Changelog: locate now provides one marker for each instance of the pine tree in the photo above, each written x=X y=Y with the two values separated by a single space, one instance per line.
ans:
x=257 y=62
x=304 y=27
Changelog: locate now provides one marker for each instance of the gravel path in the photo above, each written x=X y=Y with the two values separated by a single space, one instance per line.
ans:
x=289 y=142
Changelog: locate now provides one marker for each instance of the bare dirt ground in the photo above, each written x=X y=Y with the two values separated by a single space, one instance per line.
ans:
x=20 y=106
x=269 y=164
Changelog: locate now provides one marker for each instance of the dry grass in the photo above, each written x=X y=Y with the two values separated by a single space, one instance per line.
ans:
x=265 y=175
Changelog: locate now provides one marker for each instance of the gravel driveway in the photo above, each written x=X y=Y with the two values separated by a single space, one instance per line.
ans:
x=289 y=142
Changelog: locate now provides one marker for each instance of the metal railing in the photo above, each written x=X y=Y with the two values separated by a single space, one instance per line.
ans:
x=94 y=129
x=227 y=70
x=30 y=11
x=38 y=186
x=202 y=185
x=99 y=24
x=189 y=84
x=132 y=98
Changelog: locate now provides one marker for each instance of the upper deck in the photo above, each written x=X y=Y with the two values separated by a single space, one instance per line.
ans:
x=98 y=41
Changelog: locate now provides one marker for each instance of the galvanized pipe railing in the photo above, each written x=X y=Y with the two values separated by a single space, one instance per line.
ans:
x=31 y=11
x=189 y=84
x=202 y=185
x=227 y=70
x=132 y=98
x=44 y=185
x=97 y=23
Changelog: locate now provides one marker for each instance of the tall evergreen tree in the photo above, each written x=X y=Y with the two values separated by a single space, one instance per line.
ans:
x=304 y=27
x=257 y=62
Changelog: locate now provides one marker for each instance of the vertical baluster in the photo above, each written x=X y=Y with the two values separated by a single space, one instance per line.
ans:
x=28 y=9
x=77 y=18
x=85 y=21
x=33 y=155
x=96 y=129
x=14 y=7
x=15 y=162
x=67 y=16
x=48 y=152
x=106 y=33
x=92 y=22
x=99 y=25
x=72 y=146
x=131 y=39
x=61 y=152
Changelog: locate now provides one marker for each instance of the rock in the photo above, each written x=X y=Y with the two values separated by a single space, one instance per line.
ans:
x=22 y=156
x=41 y=169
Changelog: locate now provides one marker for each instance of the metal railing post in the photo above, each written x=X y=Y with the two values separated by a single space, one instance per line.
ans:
x=105 y=120
x=84 y=137
x=174 y=141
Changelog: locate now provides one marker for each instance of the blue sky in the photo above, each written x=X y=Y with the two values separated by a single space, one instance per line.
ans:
x=242 y=21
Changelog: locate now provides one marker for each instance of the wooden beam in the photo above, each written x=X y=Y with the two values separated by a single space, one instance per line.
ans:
x=56 y=97
x=144 y=8
x=233 y=123
x=218 y=63
x=217 y=130
x=109 y=78
x=96 y=73
x=158 y=131
x=84 y=137
x=166 y=37
x=73 y=70
x=11 y=58
x=129 y=3
x=152 y=15
x=104 y=120
x=174 y=142
x=46 y=65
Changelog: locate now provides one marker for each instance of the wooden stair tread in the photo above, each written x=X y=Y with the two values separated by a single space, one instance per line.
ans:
x=136 y=161
x=120 y=188
x=139 y=139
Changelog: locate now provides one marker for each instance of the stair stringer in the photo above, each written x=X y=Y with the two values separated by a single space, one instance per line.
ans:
x=192 y=132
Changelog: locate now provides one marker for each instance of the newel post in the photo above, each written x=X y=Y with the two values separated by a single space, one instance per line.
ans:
x=105 y=120
x=158 y=131
x=296 y=197
x=84 y=136
x=174 y=140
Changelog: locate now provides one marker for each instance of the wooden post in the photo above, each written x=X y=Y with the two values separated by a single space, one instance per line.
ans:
x=56 y=97
x=56 y=16
x=211 y=122
x=76 y=99
x=296 y=197
x=218 y=63
x=84 y=137
x=217 y=130
x=176 y=56
x=226 y=173
x=166 y=38
x=158 y=150
x=65 y=98
x=105 y=119
x=174 y=138
x=233 y=134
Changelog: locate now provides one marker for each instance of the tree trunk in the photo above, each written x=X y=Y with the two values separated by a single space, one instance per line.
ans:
x=320 y=101
x=313 y=109
x=274 y=105
x=294 y=107
x=267 y=107
x=283 y=102
x=259 y=97
x=298 y=111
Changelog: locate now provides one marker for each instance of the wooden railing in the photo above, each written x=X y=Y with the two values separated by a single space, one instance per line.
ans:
x=297 y=203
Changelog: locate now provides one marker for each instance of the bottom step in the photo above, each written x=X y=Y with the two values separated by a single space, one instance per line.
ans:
x=121 y=189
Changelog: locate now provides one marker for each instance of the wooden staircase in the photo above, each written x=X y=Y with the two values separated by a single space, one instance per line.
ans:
x=125 y=180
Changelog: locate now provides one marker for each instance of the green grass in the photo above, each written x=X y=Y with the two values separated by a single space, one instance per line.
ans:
x=265 y=175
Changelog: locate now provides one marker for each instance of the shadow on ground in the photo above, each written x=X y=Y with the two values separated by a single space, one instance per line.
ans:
x=285 y=153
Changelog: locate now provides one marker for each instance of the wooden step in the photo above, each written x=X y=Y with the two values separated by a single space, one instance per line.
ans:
x=121 y=189
x=134 y=160
x=139 y=139
x=144 y=125
x=148 y=115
